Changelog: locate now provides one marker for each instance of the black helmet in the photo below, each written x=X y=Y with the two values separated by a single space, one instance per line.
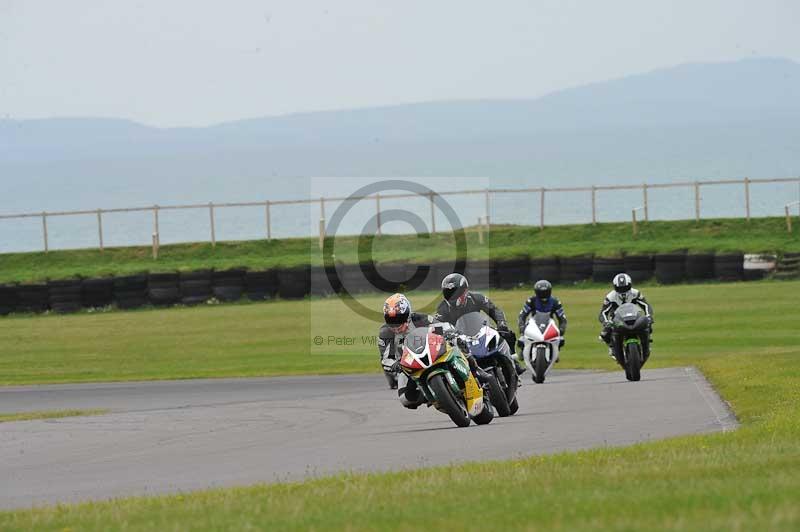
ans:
x=455 y=289
x=396 y=310
x=543 y=289
x=622 y=283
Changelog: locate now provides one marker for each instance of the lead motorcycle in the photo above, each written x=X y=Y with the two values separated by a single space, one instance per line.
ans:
x=492 y=354
x=630 y=339
x=443 y=376
x=540 y=341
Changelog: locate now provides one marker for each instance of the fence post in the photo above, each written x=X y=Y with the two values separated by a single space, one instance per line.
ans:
x=269 y=221
x=44 y=232
x=100 y=227
x=486 y=193
x=321 y=233
x=788 y=220
x=155 y=222
x=747 y=197
x=594 y=205
x=646 y=210
x=696 y=201
x=635 y=229
x=213 y=229
x=433 y=213
x=541 y=209
x=378 y=211
x=155 y=246
x=480 y=230
x=322 y=208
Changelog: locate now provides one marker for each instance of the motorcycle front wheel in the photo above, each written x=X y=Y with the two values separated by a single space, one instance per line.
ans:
x=540 y=364
x=498 y=396
x=448 y=402
x=633 y=362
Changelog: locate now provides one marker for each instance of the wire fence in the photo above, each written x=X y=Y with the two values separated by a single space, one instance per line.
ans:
x=583 y=202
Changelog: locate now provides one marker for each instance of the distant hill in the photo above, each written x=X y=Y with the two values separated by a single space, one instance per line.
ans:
x=705 y=120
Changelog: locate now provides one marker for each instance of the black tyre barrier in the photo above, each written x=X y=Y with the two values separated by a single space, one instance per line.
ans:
x=754 y=275
x=97 y=292
x=228 y=285
x=699 y=266
x=320 y=285
x=512 y=273
x=33 y=298
x=354 y=280
x=390 y=278
x=544 y=268
x=130 y=291
x=729 y=266
x=670 y=267
x=639 y=267
x=65 y=296
x=162 y=289
x=604 y=269
x=195 y=287
x=575 y=269
x=438 y=271
x=8 y=300
x=261 y=285
x=294 y=283
x=479 y=274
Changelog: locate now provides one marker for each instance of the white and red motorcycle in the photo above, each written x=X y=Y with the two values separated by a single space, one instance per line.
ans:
x=540 y=341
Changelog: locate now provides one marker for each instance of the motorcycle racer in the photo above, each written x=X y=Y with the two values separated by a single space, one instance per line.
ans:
x=458 y=300
x=622 y=293
x=399 y=320
x=542 y=300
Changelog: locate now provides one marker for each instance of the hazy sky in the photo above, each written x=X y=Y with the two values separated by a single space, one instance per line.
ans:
x=171 y=63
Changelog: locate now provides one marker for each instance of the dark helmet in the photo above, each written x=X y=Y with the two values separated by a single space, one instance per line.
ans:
x=396 y=311
x=622 y=283
x=455 y=289
x=543 y=289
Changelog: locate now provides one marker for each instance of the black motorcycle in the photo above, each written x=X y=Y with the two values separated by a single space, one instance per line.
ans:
x=492 y=354
x=630 y=339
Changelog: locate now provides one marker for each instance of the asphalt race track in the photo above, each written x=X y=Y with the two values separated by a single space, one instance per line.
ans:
x=174 y=436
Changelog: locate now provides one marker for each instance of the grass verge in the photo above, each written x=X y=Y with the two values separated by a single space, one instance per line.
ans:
x=609 y=239
x=693 y=322
x=742 y=480
x=50 y=414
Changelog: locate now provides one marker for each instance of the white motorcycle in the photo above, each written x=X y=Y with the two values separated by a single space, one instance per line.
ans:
x=540 y=345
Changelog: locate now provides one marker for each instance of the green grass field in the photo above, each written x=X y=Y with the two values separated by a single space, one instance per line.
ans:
x=758 y=235
x=743 y=336
x=49 y=414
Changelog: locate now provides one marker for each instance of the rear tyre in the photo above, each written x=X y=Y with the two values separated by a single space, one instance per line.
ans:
x=498 y=397
x=451 y=405
x=514 y=406
x=540 y=364
x=633 y=363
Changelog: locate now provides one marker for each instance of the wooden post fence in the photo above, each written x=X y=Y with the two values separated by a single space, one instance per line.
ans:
x=100 y=228
x=44 y=232
x=269 y=221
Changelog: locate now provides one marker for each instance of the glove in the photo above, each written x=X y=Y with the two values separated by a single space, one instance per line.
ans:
x=502 y=327
x=390 y=365
x=561 y=343
x=520 y=344
x=650 y=321
x=463 y=345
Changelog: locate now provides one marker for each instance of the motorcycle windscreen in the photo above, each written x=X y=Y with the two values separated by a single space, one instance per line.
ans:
x=627 y=314
x=471 y=323
x=416 y=340
x=542 y=320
